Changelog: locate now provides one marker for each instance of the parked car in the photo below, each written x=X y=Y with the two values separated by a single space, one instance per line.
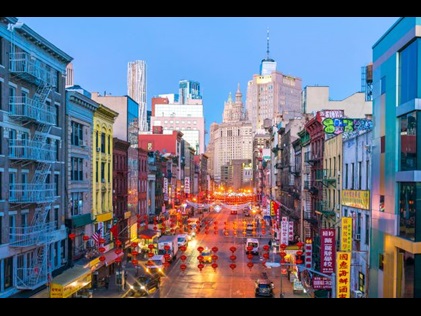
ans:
x=144 y=285
x=264 y=287
x=207 y=255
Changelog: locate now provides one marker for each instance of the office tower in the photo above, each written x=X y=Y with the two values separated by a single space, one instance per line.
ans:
x=136 y=89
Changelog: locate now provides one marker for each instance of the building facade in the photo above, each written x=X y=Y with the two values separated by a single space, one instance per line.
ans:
x=33 y=237
x=395 y=248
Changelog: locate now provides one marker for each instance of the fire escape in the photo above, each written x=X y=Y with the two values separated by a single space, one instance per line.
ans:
x=327 y=178
x=37 y=152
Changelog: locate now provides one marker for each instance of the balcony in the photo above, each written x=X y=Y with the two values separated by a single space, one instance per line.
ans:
x=27 y=109
x=31 y=235
x=23 y=149
x=32 y=70
x=32 y=192
x=326 y=176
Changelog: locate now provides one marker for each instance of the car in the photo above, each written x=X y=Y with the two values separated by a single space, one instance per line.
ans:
x=207 y=255
x=183 y=240
x=264 y=287
x=234 y=212
x=144 y=285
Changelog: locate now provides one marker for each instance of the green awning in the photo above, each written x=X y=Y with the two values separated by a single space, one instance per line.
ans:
x=81 y=220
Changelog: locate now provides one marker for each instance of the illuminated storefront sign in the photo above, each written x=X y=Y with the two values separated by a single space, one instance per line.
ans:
x=356 y=198
x=327 y=250
x=308 y=253
x=346 y=234
x=343 y=277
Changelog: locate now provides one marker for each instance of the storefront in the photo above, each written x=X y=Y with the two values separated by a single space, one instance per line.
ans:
x=74 y=282
x=103 y=267
x=147 y=237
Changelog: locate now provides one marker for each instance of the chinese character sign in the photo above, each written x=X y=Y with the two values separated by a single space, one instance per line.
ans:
x=308 y=253
x=284 y=230
x=343 y=276
x=186 y=185
x=165 y=188
x=346 y=234
x=328 y=250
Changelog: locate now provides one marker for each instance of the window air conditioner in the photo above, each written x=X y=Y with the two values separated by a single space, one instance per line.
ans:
x=357 y=294
x=357 y=236
x=98 y=149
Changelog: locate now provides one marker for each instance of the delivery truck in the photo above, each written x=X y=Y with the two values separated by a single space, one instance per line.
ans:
x=168 y=244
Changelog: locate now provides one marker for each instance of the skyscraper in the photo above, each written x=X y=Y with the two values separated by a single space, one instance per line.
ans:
x=136 y=89
x=272 y=95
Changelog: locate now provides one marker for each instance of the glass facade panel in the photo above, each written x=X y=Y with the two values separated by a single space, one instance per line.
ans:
x=408 y=66
x=409 y=192
x=408 y=141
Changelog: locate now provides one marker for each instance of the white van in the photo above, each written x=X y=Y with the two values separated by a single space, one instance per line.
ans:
x=183 y=240
x=254 y=243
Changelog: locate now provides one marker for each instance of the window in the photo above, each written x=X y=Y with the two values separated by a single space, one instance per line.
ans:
x=1 y=240
x=103 y=142
x=1 y=91
x=346 y=176
x=76 y=137
x=360 y=175
x=1 y=188
x=76 y=203
x=12 y=226
x=12 y=99
x=1 y=54
x=367 y=174
x=77 y=169
x=352 y=176
x=367 y=229
x=409 y=193
x=8 y=273
x=56 y=181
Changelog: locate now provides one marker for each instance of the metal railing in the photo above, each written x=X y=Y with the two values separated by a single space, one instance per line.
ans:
x=32 y=192
x=32 y=150
x=26 y=108
x=31 y=69
x=31 y=235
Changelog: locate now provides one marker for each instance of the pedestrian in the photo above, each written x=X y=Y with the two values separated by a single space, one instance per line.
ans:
x=107 y=282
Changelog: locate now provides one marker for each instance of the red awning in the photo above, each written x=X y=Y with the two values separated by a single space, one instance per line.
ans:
x=148 y=234
x=110 y=257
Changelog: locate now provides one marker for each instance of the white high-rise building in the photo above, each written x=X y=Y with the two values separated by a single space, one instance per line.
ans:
x=136 y=89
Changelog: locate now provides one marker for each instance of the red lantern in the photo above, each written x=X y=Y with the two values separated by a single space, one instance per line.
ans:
x=249 y=248
x=226 y=233
x=206 y=231
x=200 y=266
x=149 y=263
x=233 y=266
x=266 y=255
x=283 y=246
x=299 y=253
x=134 y=244
x=214 y=266
x=266 y=247
x=300 y=244
x=151 y=246
x=298 y=261
x=215 y=223
x=250 y=256
x=263 y=231
x=250 y=265
x=200 y=258
x=282 y=254
x=118 y=243
x=215 y=232
x=215 y=249
x=86 y=238
x=183 y=257
x=200 y=249
x=102 y=258
x=167 y=247
x=101 y=240
x=183 y=248
x=151 y=254
x=118 y=251
x=118 y=259
x=135 y=253
x=183 y=267
x=155 y=228
x=134 y=261
x=233 y=257
x=101 y=249
x=233 y=249
x=166 y=264
x=72 y=236
x=167 y=257
x=214 y=257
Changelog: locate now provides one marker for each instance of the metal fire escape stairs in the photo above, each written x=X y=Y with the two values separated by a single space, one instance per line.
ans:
x=34 y=241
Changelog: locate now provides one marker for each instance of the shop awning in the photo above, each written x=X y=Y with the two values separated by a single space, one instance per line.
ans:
x=70 y=281
x=110 y=257
x=148 y=234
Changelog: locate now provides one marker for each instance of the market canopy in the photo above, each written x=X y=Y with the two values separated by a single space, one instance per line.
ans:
x=148 y=234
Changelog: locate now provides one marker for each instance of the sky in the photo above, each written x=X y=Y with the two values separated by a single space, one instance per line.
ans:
x=218 y=52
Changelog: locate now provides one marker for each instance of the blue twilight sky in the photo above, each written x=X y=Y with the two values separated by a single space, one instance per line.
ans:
x=218 y=52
